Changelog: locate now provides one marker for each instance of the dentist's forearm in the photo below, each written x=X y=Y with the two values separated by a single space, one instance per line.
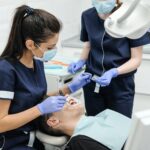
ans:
x=61 y=91
x=14 y=121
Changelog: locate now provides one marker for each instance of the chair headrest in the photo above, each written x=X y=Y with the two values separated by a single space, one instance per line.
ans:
x=53 y=140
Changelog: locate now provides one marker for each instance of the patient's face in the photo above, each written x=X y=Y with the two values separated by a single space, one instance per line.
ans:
x=72 y=108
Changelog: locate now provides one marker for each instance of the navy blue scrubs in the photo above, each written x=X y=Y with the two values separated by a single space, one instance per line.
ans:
x=119 y=94
x=25 y=88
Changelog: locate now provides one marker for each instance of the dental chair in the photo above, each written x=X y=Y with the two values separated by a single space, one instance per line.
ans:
x=51 y=142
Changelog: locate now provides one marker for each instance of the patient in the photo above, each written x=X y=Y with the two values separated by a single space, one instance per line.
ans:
x=105 y=131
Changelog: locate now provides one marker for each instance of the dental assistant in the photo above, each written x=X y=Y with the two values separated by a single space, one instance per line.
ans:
x=32 y=40
x=113 y=61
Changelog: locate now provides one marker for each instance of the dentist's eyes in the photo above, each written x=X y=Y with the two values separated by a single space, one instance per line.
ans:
x=49 y=48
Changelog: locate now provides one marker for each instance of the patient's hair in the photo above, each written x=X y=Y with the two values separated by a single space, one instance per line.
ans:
x=45 y=128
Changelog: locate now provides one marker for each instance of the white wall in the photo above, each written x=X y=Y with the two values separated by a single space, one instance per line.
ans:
x=142 y=96
x=6 y=13
x=68 y=11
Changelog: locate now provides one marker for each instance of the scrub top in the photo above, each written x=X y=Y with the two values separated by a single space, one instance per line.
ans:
x=116 y=51
x=24 y=87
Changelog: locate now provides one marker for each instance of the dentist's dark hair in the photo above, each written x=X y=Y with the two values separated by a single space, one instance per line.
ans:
x=28 y=23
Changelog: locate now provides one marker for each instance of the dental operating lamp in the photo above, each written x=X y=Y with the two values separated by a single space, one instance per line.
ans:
x=131 y=20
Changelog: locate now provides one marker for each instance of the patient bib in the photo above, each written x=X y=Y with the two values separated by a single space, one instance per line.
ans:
x=108 y=127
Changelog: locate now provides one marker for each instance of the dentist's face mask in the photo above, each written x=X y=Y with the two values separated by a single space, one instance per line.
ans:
x=104 y=6
x=48 y=54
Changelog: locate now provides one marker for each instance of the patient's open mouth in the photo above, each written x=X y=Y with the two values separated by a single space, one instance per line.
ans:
x=71 y=100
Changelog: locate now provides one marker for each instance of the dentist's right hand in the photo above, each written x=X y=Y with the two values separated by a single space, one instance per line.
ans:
x=80 y=81
x=76 y=66
x=51 y=104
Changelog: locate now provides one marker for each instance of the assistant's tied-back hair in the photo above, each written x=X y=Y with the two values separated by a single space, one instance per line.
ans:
x=29 y=23
x=118 y=5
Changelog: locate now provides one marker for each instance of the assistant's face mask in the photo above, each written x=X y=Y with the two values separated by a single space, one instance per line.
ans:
x=48 y=54
x=104 y=7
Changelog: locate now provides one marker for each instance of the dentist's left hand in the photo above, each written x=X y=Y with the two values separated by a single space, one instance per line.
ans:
x=80 y=81
x=52 y=104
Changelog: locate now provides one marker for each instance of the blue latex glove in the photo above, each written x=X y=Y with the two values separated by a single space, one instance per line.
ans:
x=76 y=66
x=52 y=104
x=106 y=78
x=80 y=81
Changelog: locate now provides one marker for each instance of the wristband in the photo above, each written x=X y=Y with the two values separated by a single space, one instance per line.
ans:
x=60 y=92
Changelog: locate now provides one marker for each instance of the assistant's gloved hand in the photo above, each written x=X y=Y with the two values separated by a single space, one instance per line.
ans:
x=106 y=78
x=51 y=104
x=76 y=66
x=80 y=81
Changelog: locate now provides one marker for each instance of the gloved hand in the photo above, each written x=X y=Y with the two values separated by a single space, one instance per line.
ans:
x=80 y=81
x=76 y=66
x=51 y=104
x=106 y=78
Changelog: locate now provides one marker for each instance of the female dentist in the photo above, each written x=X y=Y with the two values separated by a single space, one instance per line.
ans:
x=113 y=61
x=34 y=33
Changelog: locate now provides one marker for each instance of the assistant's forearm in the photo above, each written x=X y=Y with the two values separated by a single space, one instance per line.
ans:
x=85 y=51
x=133 y=63
x=14 y=121
x=129 y=66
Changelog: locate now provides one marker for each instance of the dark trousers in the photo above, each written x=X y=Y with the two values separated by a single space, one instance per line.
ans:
x=118 y=96
x=18 y=141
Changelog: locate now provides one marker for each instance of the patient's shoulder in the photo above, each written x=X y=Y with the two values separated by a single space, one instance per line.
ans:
x=81 y=142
